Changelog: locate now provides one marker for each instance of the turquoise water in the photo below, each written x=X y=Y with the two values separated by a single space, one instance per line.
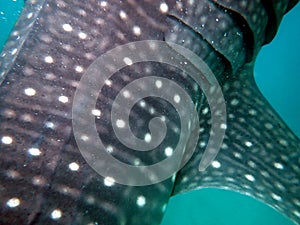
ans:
x=278 y=70
x=9 y=12
x=220 y=207
x=277 y=73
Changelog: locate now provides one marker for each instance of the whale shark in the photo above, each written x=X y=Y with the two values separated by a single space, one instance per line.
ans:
x=48 y=172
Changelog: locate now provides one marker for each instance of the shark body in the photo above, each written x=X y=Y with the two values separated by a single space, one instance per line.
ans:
x=45 y=179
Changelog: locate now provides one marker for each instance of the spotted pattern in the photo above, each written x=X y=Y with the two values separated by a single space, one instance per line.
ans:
x=45 y=180
x=258 y=157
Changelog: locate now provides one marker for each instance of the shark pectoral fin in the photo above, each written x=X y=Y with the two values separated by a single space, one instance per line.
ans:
x=259 y=155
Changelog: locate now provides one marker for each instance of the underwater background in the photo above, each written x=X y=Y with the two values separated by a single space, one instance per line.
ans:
x=277 y=73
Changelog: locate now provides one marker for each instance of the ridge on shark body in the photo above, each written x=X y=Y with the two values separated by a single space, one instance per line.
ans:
x=44 y=177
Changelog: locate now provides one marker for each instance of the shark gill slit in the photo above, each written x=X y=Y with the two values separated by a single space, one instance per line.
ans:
x=243 y=25
x=225 y=62
x=272 y=22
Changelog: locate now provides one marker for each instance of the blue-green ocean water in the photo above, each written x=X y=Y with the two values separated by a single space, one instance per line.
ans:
x=277 y=73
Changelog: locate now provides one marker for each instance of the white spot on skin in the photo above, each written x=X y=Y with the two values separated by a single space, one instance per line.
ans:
x=283 y=142
x=96 y=112
x=45 y=38
x=252 y=164
x=265 y=174
x=7 y=140
x=48 y=59
x=29 y=15
x=109 y=149
x=128 y=61
x=13 y=174
x=38 y=180
x=224 y=146
x=26 y=117
x=137 y=162
x=103 y=4
x=67 y=47
x=163 y=7
x=268 y=126
x=168 y=151
x=30 y=92
x=108 y=83
x=185 y=179
x=276 y=197
x=248 y=143
x=296 y=213
x=223 y=126
x=50 y=125
x=56 y=214
x=230 y=179
x=176 y=98
x=296 y=201
x=237 y=155
x=90 y=200
x=158 y=83
x=269 y=145
x=252 y=112
x=67 y=27
x=216 y=164
x=234 y=102
x=141 y=201
x=99 y=21
x=84 y=138
x=205 y=111
x=249 y=177
x=34 y=151
x=74 y=166
x=82 y=35
x=163 y=118
x=109 y=181
x=278 y=166
x=242 y=120
x=147 y=137
x=78 y=69
x=152 y=110
x=202 y=144
x=14 y=51
x=280 y=186
x=126 y=94
x=63 y=99
x=123 y=15
x=13 y=202
x=191 y=2
x=142 y=103
x=120 y=123
x=50 y=76
x=137 y=30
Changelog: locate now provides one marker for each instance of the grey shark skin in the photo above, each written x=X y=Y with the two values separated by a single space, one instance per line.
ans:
x=44 y=178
